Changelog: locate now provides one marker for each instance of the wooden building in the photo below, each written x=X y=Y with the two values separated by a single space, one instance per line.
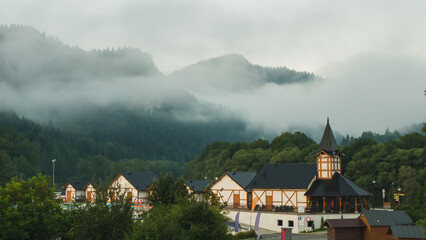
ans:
x=344 y=229
x=331 y=191
x=282 y=186
x=134 y=185
x=231 y=188
x=79 y=190
x=379 y=222
x=197 y=188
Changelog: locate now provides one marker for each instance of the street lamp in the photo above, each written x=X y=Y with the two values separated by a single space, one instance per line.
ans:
x=53 y=161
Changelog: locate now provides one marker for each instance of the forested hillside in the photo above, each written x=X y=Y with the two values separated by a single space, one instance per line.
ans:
x=103 y=146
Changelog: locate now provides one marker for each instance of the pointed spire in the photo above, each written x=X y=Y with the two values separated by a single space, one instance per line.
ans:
x=328 y=142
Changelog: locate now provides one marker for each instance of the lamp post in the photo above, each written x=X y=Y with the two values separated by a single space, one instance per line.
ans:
x=53 y=161
x=399 y=195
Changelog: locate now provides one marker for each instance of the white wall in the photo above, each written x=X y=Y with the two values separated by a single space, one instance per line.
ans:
x=269 y=220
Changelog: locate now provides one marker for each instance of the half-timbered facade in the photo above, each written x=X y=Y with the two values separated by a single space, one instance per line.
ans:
x=231 y=188
x=282 y=186
x=135 y=186
x=328 y=156
x=79 y=190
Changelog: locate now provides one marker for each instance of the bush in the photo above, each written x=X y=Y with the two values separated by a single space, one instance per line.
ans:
x=245 y=235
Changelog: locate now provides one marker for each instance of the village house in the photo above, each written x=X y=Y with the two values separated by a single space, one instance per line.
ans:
x=79 y=190
x=135 y=186
x=197 y=188
x=231 y=189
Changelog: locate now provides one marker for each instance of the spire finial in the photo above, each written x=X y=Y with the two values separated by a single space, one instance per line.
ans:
x=327 y=120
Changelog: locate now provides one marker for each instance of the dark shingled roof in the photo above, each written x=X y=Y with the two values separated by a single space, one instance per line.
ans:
x=378 y=218
x=140 y=180
x=197 y=185
x=328 y=142
x=78 y=185
x=242 y=178
x=338 y=186
x=408 y=231
x=344 y=223
x=284 y=176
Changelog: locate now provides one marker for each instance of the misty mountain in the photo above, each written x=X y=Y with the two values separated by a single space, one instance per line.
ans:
x=233 y=73
x=119 y=97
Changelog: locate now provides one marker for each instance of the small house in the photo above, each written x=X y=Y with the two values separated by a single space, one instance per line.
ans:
x=344 y=229
x=78 y=190
x=134 y=185
x=231 y=188
x=197 y=188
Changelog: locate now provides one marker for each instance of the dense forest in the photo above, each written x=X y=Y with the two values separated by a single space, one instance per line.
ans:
x=107 y=144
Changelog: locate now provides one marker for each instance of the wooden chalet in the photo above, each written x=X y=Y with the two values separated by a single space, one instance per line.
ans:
x=231 y=188
x=197 y=188
x=389 y=225
x=331 y=191
x=79 y=190
x=282 y=186
x=134 y=185
x=344 y=229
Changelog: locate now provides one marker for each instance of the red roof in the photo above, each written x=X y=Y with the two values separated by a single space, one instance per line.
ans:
x=344 y=223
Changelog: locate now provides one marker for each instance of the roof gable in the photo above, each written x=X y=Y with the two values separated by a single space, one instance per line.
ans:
x=378 y=218
x=344 y=223
x=197 y=185
x=338 y=186
x=284 y=176
x=140 y=180
x=78 y=185
x=328 y=142
x=242 y=178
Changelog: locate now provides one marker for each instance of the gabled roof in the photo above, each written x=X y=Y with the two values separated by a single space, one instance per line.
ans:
x=140 y=180
x=408 y=231
x=242 y=178
x=337 y=186
x=78 y=185
x=197 y=185
x=377 y=218
x=284 y=176
x=328 y=142
x=344 y=223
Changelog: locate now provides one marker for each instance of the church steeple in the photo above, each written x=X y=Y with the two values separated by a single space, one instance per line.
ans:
x=328 y=142
x=328 y=156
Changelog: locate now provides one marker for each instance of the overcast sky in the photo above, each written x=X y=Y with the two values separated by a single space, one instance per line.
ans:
x=304 y=35
x=344 y=42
